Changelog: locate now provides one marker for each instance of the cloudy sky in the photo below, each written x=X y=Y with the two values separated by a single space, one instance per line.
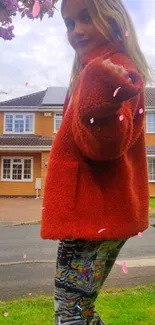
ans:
x=41 y=55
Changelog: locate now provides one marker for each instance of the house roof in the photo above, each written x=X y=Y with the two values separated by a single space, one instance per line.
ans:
x=29 y=141
x=52 y=96
x=150 y=96
x=34 y=99
x=55 y=96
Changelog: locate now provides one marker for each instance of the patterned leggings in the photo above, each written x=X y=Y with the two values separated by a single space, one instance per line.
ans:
x=82 y=266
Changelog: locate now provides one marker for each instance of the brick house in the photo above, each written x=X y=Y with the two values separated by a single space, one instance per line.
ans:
x=28 y=126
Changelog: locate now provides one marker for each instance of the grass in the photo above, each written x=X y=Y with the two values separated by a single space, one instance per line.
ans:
x=152 y=203
x=133 y=306
x=152 y=206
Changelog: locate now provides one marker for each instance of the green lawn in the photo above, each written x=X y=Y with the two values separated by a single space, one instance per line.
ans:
x=152 y=203
x=134 y=306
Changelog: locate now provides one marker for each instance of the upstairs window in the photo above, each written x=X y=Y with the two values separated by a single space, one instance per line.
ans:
x=57 y=121
x=150 y=123
x=18 y=123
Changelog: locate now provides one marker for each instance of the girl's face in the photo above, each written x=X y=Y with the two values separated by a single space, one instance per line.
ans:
x=82 y=34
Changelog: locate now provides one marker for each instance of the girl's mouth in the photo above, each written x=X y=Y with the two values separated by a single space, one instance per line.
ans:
x=83 y=43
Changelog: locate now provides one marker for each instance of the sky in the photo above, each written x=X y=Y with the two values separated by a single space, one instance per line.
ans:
x=41 y=55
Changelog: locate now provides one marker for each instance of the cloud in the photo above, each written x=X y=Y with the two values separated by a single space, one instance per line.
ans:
x=21 y=29
x=41 y=55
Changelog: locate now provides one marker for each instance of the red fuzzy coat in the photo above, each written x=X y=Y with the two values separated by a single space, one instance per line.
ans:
x=97 y=173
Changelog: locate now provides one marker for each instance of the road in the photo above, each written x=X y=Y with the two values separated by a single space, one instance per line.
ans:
x=34 y=274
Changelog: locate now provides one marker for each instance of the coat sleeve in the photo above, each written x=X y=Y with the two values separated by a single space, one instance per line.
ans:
x=105 y=127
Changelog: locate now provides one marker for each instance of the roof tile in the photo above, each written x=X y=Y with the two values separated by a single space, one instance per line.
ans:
x=150 y=96
x=25 y=141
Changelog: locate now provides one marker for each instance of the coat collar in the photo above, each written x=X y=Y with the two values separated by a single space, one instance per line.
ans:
x=105 y=50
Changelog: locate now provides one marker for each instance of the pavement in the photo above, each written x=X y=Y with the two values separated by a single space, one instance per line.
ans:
x=27 y=262
x=20 y=234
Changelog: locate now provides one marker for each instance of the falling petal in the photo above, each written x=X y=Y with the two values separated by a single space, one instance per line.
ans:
x=26 y=84
x=126 y=33
x=101 y=230
x=25 y=256
x=30 y=294
x=6 y=314
x=140 y=234
x=36 y=9
x=116 y=91
x=43 y=208
x=92 y=120
x=121 y=117
x=141 y=111
x=124 y=267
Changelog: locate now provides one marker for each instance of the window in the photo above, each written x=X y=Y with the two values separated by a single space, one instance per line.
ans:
x=57 y=121
x=18 y=123
x=17 y=169
x=150 y=123
x=151 y=168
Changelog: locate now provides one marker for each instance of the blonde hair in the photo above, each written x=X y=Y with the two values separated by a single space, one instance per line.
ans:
x=112 y=19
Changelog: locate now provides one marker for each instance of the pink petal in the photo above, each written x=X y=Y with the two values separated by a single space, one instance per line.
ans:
x=126 y=33
x=124 y=267
x=140 y=234
x=92 y=120
x=121 y=117
x=30 y=294
x=101 y=230
x=141 y=111
x=25 y=256
x=43 y=208
x=6 y=314
x=26 y=83
x=36 y=9
x=116 y=91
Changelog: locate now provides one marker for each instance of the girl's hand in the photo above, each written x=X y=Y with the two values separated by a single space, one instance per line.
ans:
x=118 y=69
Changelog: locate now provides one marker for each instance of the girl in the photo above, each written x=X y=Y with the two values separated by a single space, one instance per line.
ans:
x=96 y=193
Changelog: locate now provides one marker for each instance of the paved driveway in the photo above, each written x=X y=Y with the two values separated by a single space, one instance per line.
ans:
x=20 y=209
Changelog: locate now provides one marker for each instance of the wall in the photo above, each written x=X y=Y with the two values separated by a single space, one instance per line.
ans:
x=44 y=158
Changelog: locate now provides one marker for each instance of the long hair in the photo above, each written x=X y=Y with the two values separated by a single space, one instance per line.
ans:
x=112 y=19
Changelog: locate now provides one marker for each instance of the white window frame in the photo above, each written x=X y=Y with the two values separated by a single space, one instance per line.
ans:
x=24 y=115
x=57 y=116
x=147 y=123
x=17 y=180
x=150 y=181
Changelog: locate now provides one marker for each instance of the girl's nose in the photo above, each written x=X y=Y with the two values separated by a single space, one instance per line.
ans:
x=78 y=29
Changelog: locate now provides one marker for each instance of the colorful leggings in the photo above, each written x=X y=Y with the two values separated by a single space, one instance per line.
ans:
x=82 y=266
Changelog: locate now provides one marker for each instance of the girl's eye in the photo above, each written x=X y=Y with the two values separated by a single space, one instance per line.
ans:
x=86 y=18
x=70 y=24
